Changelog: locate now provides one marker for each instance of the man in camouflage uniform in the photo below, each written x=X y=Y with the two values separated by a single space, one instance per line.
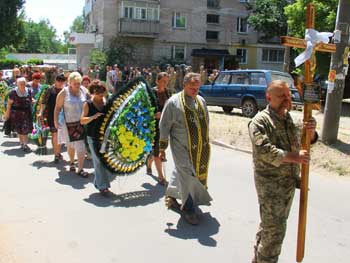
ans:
x=277 y=158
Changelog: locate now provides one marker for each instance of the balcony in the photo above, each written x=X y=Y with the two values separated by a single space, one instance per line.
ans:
x=139 y=28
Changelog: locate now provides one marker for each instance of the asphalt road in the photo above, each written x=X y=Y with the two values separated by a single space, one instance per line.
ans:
x=49 y=215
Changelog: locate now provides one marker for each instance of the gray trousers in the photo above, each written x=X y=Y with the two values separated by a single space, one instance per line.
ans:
x=102 y=175
x=275 y=195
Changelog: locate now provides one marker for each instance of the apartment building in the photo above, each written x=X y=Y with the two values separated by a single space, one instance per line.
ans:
x=210 y=32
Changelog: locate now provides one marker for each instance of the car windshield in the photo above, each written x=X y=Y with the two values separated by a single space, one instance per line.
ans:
x=288 y=79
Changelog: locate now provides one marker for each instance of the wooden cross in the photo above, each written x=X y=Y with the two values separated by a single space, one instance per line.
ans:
x=309 y=70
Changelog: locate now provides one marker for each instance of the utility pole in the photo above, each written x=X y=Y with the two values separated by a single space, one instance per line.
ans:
x=339 y=66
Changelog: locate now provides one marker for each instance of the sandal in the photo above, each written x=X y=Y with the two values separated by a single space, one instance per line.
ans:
x=72 y=167
x=162 y=181
x=106 y=192
x=83 y=174
x=26 y=148
x=57 y=159
x=171 y=203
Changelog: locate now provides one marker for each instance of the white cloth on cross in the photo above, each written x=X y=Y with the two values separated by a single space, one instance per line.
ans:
x=312 y=38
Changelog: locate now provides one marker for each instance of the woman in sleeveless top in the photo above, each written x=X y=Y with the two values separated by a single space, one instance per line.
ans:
x=92 y=117
x=71 y=100
x=162 y=96
x=19 y=111
x=47 y=110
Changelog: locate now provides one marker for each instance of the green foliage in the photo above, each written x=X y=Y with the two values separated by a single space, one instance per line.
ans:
x=35 y=61
x=326 y=11
x=97 y=57
x=78 y=25
x=39 y=38
x=11 y=25
x=9 y=63
x=120 y=51
x=268 y=17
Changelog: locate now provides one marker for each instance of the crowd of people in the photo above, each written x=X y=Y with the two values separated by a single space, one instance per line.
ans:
x=182 y=121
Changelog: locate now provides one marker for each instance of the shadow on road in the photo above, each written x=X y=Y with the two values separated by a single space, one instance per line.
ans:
x=208 y=227
x=10 y=144
x=15 y=152
x=152 y=194
x=341 y=147
x=72 y=179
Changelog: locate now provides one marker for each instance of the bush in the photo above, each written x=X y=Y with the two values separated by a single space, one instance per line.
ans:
x=35 y=61
x=10 y=63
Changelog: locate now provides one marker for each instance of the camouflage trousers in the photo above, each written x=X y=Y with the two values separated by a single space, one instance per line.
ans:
x=275 y=195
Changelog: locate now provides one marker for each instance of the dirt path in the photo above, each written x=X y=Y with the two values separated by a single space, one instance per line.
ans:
x=326 y=160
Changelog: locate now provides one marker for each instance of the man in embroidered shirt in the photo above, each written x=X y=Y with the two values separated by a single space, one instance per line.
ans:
x=277 y=158
x=185 y=121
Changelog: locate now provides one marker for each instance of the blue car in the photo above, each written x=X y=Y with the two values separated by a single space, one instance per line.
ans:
x=245 y=89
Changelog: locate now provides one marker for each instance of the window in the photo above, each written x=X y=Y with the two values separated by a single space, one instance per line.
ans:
x=242 y=55
x=128 y=12
x=178 y=52
x=179 y=20
x=223 y=79
x=212 y=19
x=240 y=78
x=257 y=78
x=212 y=35
x=242 y=25
x=273 y=55
x=213 y=3
x=142 y=11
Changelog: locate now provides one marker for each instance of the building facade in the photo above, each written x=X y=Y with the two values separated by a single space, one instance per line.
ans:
x=214 y=33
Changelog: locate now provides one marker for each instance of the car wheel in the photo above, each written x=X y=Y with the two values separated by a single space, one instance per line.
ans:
x=227 y=109
x=249 y=108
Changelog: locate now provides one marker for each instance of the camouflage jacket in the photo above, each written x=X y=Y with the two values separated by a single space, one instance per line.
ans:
x=272 y=137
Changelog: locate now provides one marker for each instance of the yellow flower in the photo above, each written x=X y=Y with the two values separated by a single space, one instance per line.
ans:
x=125 y=153
x=122 y=130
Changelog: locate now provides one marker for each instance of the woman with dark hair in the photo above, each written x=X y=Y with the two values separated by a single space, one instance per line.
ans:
x=162 y=96
x=19 y=111
x=48 y=107
x=92 y=117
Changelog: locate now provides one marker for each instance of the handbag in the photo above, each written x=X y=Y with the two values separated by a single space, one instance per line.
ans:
x=76 y=131
x=7 y=127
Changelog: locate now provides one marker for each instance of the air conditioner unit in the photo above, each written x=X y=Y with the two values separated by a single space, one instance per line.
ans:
x=242 y=41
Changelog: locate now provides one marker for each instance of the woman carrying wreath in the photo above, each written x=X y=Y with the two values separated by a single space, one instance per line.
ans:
x=92 y=117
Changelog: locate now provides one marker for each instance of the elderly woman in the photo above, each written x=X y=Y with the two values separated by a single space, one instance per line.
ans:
x=92 y=117
x=71 y=132
x=19 y=111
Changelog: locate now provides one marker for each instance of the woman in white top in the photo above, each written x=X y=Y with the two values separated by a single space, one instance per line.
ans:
x=71 y=100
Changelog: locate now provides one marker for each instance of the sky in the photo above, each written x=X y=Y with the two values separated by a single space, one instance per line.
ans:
x=61 y=13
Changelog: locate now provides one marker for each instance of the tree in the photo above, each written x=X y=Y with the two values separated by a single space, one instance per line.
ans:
x=326 y=11
x=78 y=25
x=97 y=57
x=39 y=38
x=11 y=27
x=120 y=51
x=268 y=17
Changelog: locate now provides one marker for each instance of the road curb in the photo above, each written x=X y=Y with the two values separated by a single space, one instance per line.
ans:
x=228 y=146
